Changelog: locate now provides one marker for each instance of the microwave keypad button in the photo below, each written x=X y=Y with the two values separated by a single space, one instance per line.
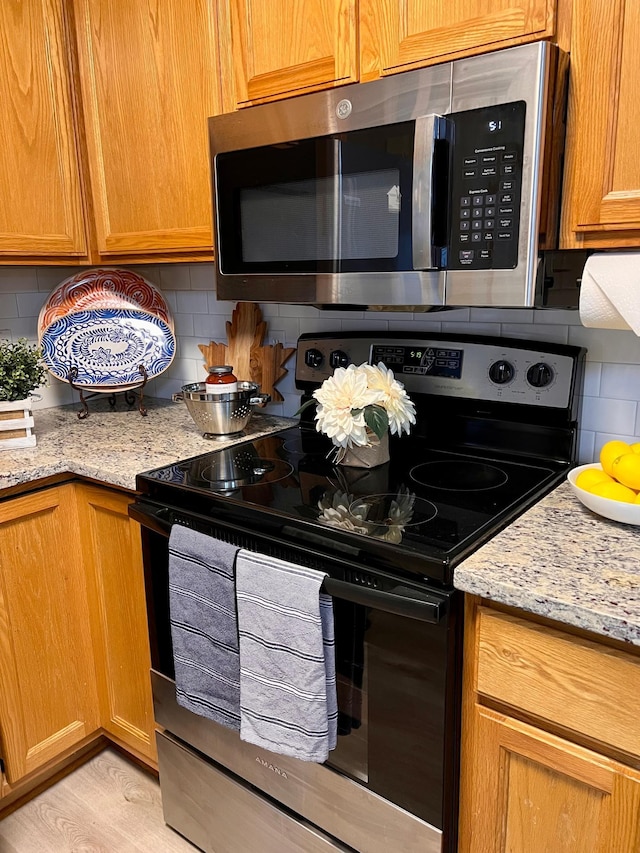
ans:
x=509 y=157
x=470 y=161
x=478 y=200
x=489 y=171
x=465 y=201
x=505 y=211
x=490 y=223
x=507 y=186
x=470 y=173
x=476 y=237
x=476 y=224
x=490 y=199
x=464 y=225
x=484 y=254
x=506 y=198
x=465 y=213
x=488 y=236
x=464 y=238
x=466 y=255
x=504 y=235
x=506 y=223
x=509 y=169
x=489 y=158
x=490 y=211
x=477 y=213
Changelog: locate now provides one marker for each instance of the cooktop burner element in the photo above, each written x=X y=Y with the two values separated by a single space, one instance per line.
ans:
x=466 y=476
x=258 y=470
x=482 y=450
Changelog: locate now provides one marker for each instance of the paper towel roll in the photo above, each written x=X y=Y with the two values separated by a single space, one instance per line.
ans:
x=610 y=291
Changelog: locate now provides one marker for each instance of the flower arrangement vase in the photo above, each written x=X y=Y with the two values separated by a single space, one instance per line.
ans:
x=16 y=424
x=368 y=456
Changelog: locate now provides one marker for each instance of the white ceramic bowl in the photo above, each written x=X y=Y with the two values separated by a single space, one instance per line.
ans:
x=616 y=510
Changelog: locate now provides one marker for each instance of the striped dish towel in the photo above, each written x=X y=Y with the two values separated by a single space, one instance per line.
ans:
x=287 y=658
x=204 y=626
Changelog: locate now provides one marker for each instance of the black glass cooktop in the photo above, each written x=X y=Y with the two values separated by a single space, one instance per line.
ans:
x=427 y=504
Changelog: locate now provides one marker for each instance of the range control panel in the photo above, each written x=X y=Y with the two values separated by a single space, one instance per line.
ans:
x=465 y=366
x=486 y=187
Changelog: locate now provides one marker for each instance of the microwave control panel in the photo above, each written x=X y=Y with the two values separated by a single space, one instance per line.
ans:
x=486 y=187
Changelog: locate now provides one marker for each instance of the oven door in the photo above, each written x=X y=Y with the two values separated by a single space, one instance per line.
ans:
x=391 y=783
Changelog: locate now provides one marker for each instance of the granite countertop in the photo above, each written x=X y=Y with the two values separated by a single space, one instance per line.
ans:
x=112 y=446
x=562 y=561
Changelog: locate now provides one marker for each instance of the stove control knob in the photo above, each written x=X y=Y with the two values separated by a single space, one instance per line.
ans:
x=539 y=375
x=313 y=358
x=338 y=358
x=501 y=372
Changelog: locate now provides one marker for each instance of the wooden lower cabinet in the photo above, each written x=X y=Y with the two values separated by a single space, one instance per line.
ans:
x=48 y=697
x=113 y=559
x=74 y=653
x=529 y=792
x=537 y=775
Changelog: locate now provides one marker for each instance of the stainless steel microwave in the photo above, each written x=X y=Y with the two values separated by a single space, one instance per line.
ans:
x=435 y=187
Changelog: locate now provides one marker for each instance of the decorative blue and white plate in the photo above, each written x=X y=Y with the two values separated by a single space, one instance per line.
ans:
x=107 y=346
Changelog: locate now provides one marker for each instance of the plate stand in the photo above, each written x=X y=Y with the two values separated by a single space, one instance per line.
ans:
x=129 y=395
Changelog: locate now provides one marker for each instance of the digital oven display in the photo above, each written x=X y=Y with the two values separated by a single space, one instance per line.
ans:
x=424 y=361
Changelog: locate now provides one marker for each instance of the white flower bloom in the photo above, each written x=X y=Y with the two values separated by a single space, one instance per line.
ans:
x=338 y=397
x=342 y=400
x=400 y=409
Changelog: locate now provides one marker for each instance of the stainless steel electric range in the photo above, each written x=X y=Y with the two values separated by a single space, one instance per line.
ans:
x=496 y=429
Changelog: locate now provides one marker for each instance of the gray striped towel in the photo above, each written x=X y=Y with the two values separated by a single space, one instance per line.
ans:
x=287 y=658
x=204 y=626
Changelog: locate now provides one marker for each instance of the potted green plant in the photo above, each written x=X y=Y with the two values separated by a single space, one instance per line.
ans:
x=21 y=372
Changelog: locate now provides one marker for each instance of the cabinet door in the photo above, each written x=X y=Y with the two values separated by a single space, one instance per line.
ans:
x=397 y=34
x=41 y=210
x=48 y=701
x=113 y=556
x=149 y=81
x=601 y=204
x=526 y=791
x=283 y=47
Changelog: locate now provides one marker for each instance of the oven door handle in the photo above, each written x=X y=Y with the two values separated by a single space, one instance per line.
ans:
x=151 y=517
x=401 y=601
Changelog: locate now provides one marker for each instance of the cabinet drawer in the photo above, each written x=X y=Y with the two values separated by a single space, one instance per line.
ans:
x=564 y=679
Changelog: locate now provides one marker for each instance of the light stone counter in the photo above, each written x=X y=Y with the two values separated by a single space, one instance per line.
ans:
x=114 y=445
x=562 y=561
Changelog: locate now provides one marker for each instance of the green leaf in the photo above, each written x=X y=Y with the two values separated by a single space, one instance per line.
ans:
x=305 y=406
x=377 y=419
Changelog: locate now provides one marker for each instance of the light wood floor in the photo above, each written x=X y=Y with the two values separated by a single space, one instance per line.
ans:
x=108 y=805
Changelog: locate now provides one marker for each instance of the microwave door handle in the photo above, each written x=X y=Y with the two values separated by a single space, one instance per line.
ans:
x=427 y=131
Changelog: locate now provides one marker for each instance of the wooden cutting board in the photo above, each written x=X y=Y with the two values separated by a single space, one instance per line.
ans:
x=245 y=351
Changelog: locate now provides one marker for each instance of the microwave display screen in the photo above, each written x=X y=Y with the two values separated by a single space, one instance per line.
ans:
x=345 y=216
x=421 y=361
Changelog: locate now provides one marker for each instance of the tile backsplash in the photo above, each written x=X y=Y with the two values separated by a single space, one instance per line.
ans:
x=611 y=404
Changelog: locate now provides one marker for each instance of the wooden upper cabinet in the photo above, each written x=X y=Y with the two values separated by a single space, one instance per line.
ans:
x=601 y=203
x=400 y=34
x=41 y=211
x=149 y=81
x=277 y=48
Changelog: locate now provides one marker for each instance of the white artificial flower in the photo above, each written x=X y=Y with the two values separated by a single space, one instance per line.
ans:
x=393 y=398
x=342 y=399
